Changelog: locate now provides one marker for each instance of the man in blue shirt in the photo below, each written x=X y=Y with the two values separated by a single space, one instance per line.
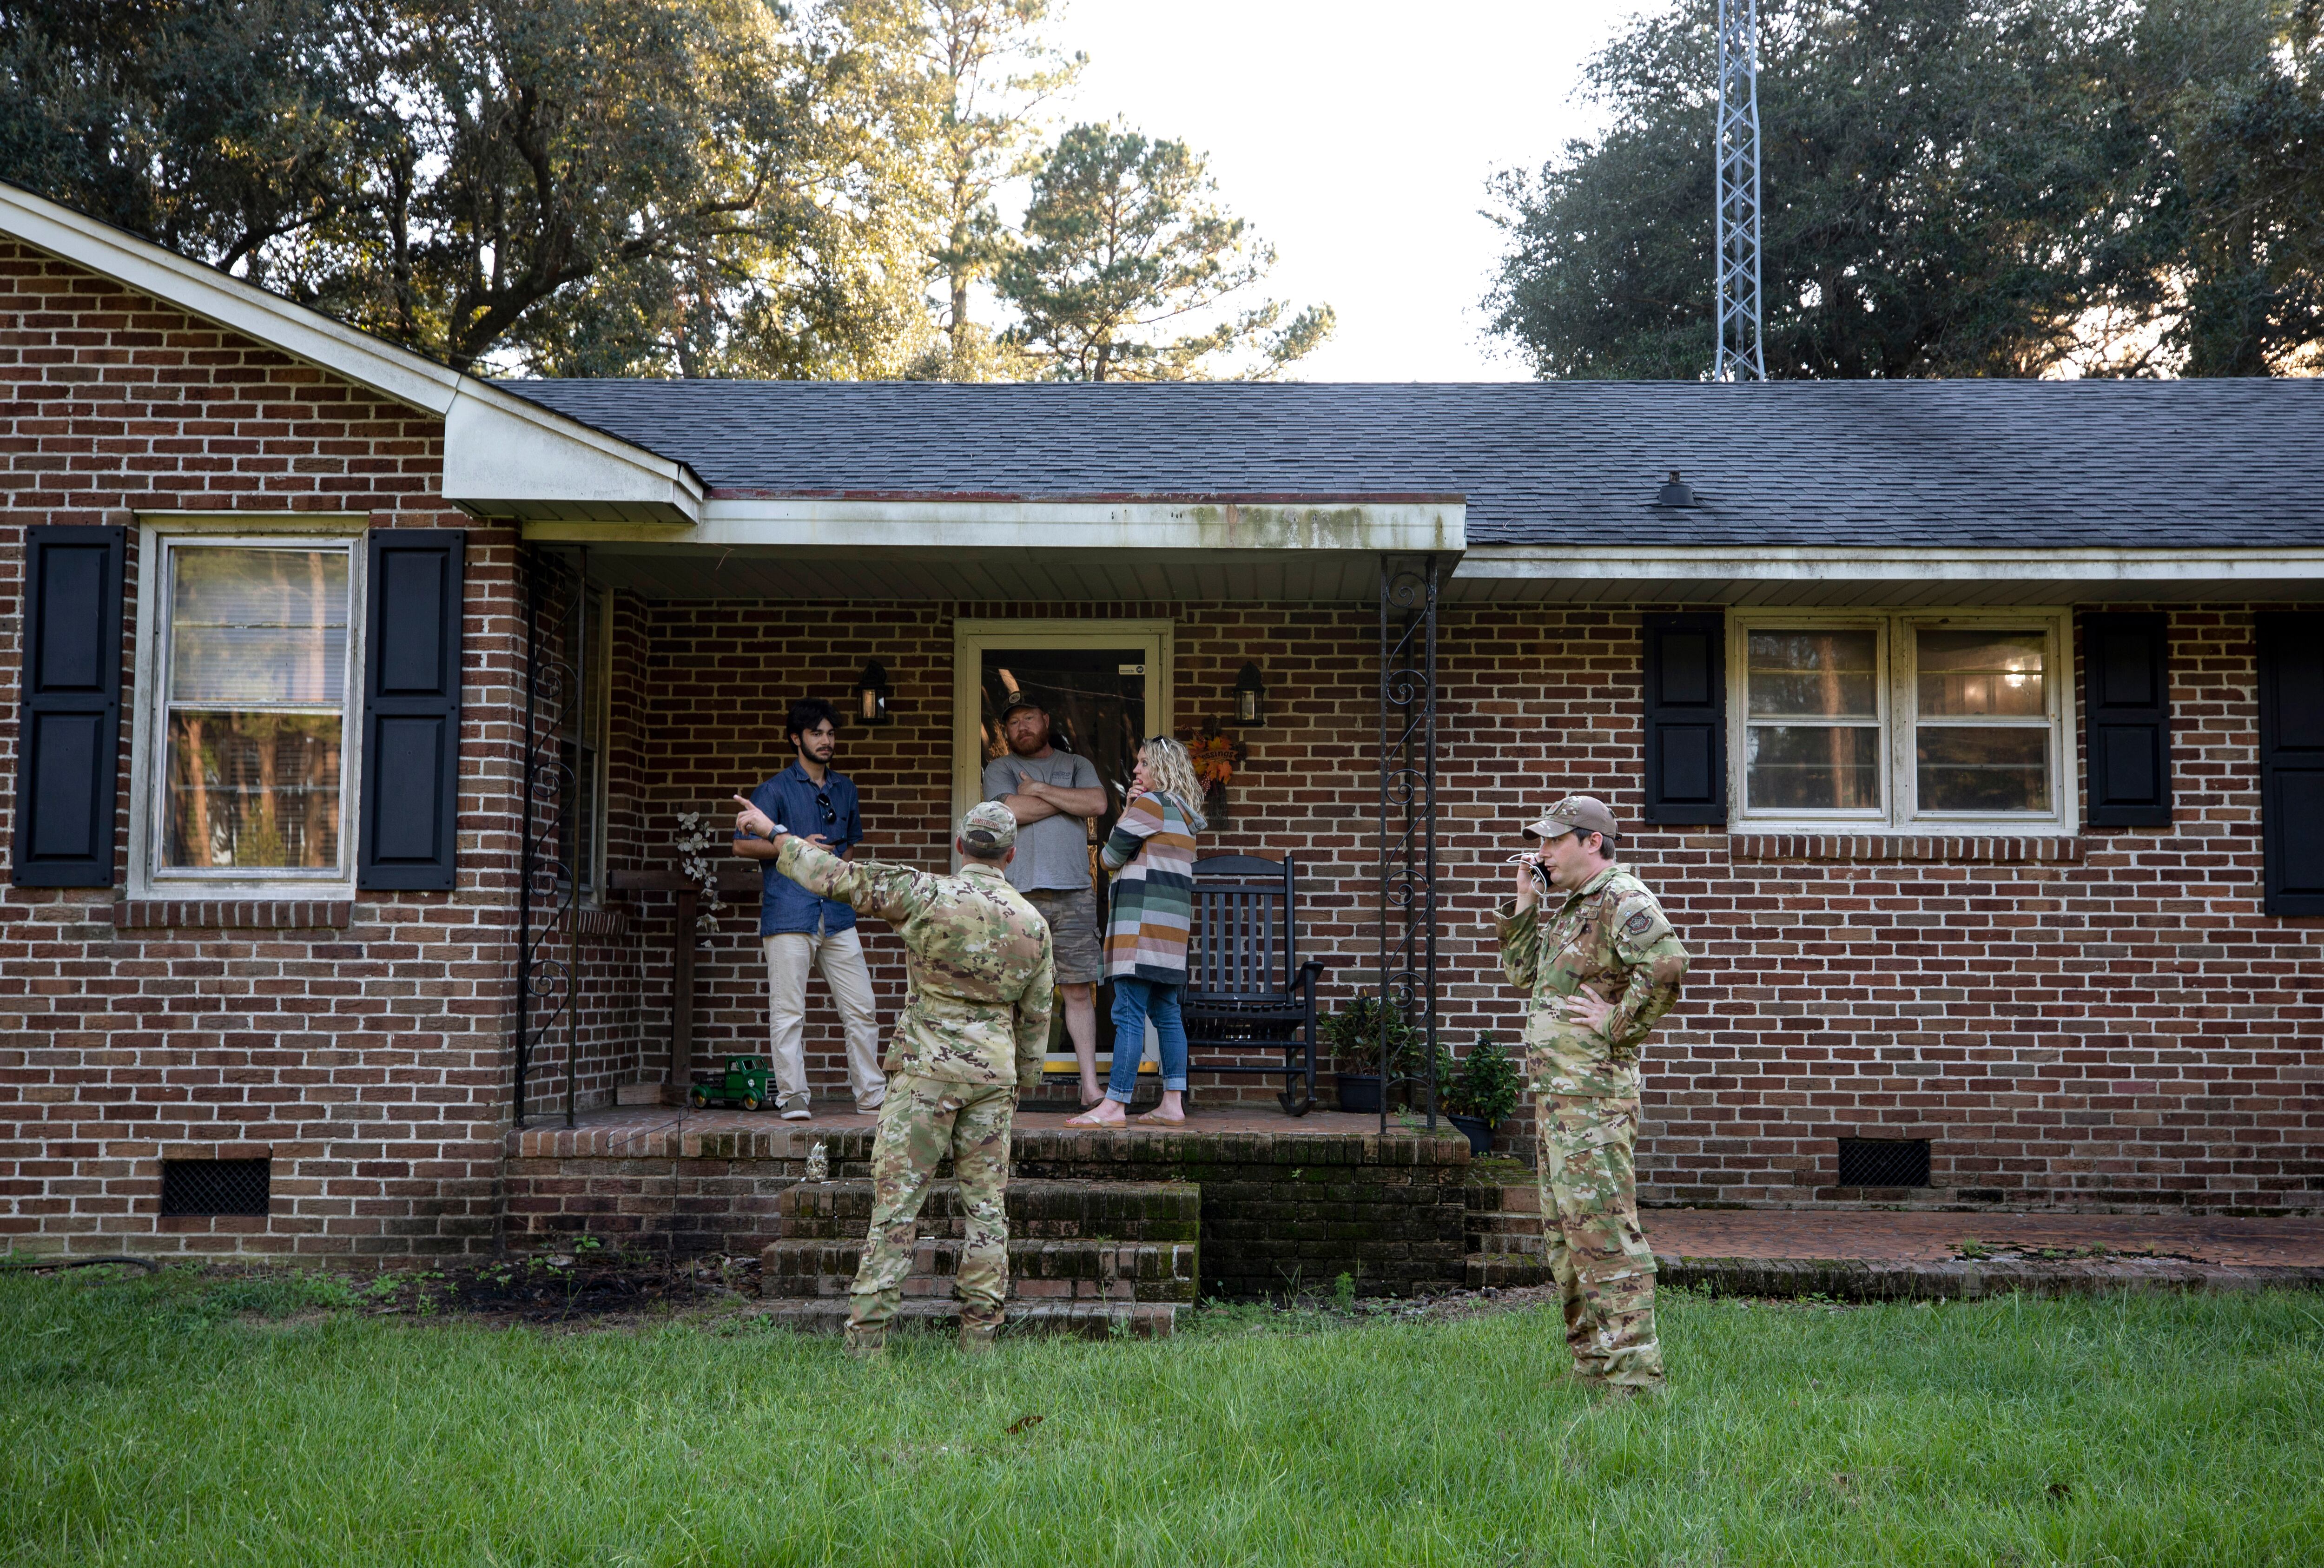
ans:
x=799 y=929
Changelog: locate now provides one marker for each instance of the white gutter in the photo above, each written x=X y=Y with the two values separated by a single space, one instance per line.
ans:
x=1789 y=563
x=501 y=454
x=1368 y=525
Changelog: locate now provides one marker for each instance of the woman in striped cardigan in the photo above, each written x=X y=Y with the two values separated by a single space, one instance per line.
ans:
x=1151 y=856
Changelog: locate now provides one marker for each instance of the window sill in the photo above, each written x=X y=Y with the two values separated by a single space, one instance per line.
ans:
x=2054 y=848
x=233 y=914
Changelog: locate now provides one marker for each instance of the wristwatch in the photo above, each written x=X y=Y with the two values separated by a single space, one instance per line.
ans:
x=776 y=832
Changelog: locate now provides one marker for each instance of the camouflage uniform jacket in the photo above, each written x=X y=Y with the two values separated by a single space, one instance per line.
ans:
x=1610 y=935
x=976 y=955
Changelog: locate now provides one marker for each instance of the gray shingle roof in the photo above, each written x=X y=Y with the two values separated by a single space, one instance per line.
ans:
x=1964 y=463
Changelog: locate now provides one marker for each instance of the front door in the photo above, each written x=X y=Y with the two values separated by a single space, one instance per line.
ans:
x=1103 y=684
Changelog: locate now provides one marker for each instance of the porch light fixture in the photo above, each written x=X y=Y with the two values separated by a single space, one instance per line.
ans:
x=1250 y=696
x=1674 y=494
x=871 y=694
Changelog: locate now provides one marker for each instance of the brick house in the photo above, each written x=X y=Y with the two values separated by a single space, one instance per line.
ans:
x=1973 y=732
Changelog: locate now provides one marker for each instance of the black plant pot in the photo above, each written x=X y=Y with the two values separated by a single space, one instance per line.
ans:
x=1359 y=1093
x=1480 y=1131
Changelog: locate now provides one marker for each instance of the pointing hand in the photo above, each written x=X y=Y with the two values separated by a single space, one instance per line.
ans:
x=750 y=822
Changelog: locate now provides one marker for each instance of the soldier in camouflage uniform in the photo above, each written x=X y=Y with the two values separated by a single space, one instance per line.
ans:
x=973 y=1032
x=1600 y=965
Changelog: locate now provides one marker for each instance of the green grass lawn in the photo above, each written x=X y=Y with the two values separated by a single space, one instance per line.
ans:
x=184 y=1419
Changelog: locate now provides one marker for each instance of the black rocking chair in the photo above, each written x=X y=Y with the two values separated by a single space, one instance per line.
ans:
x=1247 y=995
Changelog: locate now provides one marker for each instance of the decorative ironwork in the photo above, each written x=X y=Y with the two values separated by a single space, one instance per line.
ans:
x=1407 y=826
x=1740 y=357
x=546 y=983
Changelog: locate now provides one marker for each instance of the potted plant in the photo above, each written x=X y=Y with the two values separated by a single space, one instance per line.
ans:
x=1353 y=1034
x=1482 y=1091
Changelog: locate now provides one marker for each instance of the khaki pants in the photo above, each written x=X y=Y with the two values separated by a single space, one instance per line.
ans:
x=1597 y=1254
x=840 y=956
x=926 y=1121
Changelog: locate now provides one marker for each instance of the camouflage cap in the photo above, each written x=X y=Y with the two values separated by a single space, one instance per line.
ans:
x=990 y=826
x=1582 y=813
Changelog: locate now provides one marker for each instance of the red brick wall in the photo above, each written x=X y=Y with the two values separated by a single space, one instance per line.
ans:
x=2033 y=1017
x=369 y=1062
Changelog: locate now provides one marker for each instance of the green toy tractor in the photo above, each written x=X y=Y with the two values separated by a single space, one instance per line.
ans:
x=744 y=1083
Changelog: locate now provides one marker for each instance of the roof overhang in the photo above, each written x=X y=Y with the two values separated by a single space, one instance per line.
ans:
x=1842 y=575
x=503 y=456
x=1306 y=547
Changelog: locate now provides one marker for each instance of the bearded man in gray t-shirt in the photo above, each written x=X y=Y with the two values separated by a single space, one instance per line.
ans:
x=1052 y=794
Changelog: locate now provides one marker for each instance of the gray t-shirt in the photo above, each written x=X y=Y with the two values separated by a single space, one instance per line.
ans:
x=1053 y=852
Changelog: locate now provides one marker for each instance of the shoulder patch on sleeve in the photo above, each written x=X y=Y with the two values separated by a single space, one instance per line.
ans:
x=1639 y=924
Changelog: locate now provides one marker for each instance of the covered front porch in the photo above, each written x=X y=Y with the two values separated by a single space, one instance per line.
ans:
x=662 y=657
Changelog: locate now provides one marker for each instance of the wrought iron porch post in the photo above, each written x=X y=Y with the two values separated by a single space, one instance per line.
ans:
x=1407 y=821
x=549 y=684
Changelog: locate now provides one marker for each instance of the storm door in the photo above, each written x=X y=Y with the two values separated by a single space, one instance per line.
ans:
x=1104 y=689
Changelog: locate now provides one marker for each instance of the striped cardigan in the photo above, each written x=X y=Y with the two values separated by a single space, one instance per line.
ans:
x=1151 y=854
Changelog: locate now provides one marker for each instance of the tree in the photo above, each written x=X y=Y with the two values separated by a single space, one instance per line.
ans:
x=1953 y=186
x=585 y=185
x=1125 y=245
x=2252 y=148
x=216 y=130
x=818 y=275
x=979 y=75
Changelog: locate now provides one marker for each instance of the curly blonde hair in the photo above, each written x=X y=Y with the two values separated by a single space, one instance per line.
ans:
x=1173 y=772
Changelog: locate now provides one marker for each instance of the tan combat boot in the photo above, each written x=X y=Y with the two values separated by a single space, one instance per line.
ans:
x=867 y=1344
x=976 y=1339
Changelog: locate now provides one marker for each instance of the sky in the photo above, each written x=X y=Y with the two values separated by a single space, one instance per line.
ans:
x=1356 y=138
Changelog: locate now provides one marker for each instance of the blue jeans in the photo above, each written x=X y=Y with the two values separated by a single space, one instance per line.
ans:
x=1134 y=1001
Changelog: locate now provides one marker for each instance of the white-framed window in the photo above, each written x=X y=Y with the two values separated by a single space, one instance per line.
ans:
x=1894 y=721
x=249 y=711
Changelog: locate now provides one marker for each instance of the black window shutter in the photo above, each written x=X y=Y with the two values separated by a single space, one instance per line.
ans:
x=1686 y=718
x=2292 y=759
x=411 y=709
x=68 y=714
x=2126 y=718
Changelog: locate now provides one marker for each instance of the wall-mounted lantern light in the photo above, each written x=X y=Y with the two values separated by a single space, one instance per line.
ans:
x=1250 y=696
x=871 y=694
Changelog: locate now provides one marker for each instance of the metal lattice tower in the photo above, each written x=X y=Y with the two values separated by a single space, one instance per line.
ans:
x=1739 y=355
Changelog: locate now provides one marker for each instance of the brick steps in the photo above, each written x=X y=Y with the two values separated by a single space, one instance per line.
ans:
x=1484 y=1268
x=1504 y=1236
x=1094 y=1320
x=1125 y=1251
x=1077 y=1269
x=1037 y=1210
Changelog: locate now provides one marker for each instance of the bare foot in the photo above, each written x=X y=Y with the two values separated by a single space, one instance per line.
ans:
x=1090 y=1096
x=1104 y=1113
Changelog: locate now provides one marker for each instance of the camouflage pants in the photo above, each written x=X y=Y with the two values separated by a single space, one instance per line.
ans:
x=1605 y=1271
x=924 y=1121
